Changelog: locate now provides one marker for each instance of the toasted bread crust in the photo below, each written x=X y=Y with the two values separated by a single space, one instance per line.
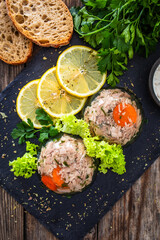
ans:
x=50 y=23
x=14 y=47
x=20 y=61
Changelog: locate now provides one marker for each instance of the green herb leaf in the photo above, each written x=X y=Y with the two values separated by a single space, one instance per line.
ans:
x=23 y=131
x=43 y=136
x=26 y=131
x=140 y=35
x=112 y=79
x=30 y=123
x=126 y=34
x=95 y=3
x=53 y=131
x=43 y=117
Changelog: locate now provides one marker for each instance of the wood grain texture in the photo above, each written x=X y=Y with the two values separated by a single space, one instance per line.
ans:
x=8 y=73
x=136 y=216
x=11 y=218
x=35 y=230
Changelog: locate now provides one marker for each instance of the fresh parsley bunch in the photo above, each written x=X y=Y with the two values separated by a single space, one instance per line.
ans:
x=26 y=131
x=117 y=29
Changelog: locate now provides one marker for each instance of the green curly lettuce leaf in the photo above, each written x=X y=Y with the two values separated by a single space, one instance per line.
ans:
x=111 y=155
x=70 y=124
x=26 y=165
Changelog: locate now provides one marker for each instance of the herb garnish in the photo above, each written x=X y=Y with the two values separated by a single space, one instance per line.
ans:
x=103 y=111
x=26 y=131
x=56 y=161
x=66 y=164
x=117 y=29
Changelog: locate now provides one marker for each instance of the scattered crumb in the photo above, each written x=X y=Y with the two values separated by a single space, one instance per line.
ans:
x=3 y=115
x=48 y=209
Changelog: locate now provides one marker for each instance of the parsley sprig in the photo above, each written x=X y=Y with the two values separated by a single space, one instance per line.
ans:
x=117 y=29
x=26 y=131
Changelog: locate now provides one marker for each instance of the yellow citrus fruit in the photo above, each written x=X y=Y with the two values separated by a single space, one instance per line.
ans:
x=54 y=99
x=77 y=71
x=27 y=103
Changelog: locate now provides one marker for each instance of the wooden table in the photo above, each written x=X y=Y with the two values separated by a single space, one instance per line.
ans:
x=136 y=216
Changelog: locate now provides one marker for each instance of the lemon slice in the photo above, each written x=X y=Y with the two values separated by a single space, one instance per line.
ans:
x=77 y=71
x=27 y=103
x=54 y=99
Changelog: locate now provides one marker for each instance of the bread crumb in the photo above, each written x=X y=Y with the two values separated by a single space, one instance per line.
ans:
x=3 y=115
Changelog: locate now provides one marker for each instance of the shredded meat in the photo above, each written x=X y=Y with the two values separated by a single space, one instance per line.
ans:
x=69 y=154
x=100 y=117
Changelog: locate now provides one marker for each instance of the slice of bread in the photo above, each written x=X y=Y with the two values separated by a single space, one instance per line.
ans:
x=14 y=47
x=45 y=22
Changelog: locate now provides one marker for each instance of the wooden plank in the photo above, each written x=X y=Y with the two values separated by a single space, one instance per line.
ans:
x=136 y=216
x=11 y=213
x=8 y=73
x=71 y=3
x=34 y=230
x=92 y=234
x=11 y=218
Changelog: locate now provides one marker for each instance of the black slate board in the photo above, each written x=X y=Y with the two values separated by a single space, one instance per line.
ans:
x=71 y=219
